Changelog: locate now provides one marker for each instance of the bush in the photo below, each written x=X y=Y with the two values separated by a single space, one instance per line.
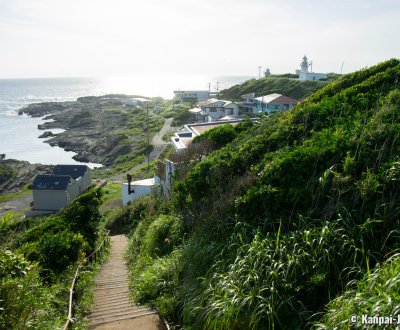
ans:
x=124 y=220
x=24 y=302
x=165 y=233
x=219 y=136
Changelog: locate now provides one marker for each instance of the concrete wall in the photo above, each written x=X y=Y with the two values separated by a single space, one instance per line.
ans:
x=139 y=191
x=311 y=76
x=49 y=199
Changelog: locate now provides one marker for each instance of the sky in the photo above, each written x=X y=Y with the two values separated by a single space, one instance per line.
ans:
x=93 y=38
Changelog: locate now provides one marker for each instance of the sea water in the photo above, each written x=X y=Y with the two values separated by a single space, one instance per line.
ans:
x=19 y=134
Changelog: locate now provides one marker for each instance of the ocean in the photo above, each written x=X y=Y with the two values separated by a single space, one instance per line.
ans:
x=19 y=134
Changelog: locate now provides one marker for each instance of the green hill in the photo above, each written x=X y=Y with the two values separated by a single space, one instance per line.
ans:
x=283 y=85
x=270 y=228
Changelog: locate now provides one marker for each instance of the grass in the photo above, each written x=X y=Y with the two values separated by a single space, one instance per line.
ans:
x=377 y=294
x=20 y=194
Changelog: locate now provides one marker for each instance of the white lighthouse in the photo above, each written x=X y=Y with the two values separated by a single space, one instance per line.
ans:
x=304 y=65
x=304 y=74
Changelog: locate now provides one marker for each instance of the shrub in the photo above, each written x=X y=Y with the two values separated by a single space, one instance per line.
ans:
x=24 y=302
x=165 y=233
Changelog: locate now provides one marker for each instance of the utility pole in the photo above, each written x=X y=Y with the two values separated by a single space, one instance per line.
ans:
x=148 y=133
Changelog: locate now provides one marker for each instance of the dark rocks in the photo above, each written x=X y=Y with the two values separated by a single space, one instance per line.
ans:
x=91 y=127
x=46 y=134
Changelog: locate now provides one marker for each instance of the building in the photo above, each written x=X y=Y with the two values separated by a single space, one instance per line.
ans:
x=191 y=96
x=248 y=103
x=181 y=140
x=267 y=104
x=133 y=190
x=81 y=173
x=214 y=109
x=273 y=103
x=304 y=74
x=55 y=191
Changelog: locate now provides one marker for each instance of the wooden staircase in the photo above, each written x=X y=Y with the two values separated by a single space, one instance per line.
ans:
x=112 y=308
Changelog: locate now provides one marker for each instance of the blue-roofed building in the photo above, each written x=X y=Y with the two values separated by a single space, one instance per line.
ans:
x=81 y=173
x=53 y=192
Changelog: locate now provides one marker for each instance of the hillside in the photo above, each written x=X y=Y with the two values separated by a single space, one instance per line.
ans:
x=268 y=229
x=283 y=85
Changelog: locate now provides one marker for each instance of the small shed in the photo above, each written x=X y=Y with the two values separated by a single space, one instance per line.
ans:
x=81 y=173
x=52 y=192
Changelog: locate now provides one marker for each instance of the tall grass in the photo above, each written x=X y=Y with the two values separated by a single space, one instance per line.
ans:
x=377 y=294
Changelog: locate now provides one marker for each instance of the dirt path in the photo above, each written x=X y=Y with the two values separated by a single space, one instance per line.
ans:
x=112 y=308
x=17 y=205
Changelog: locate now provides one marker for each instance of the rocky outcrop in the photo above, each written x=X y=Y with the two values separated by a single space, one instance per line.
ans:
x=46 y=134
x=94 y=127
x=21 y=173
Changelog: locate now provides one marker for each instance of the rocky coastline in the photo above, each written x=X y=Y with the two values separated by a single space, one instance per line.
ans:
x=93 y=126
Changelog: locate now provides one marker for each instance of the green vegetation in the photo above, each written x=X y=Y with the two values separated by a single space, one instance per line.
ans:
x=179 y=112
x=283 y=218
x=25 y=191
x=38 y=257
x=283 y=85
x=377 y=294
x=222 y=135
x=6 y=173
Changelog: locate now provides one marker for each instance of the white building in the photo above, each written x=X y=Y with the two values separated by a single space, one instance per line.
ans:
x=136 y=189
x=133 y=190
x=191 y=96
x=181 y=140
x=214 y=109
x=304 y=74
x=267 y=104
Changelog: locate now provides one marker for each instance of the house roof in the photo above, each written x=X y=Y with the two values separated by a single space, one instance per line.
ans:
x=74 y=171
x=195 y=110
x=51 y=182
x=209 y=101
x=277 y=99
x=250 y=95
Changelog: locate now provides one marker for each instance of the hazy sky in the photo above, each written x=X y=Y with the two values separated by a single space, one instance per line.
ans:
x=59 y=38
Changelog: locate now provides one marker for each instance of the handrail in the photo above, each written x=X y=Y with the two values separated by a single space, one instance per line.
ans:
x=71 y=289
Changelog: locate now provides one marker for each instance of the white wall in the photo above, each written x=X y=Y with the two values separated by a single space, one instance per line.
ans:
x=49 y=199
x=139 y=191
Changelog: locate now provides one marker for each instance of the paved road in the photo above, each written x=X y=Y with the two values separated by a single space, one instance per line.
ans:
x=157 y=139
x=112 y=308
x=158 y=146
